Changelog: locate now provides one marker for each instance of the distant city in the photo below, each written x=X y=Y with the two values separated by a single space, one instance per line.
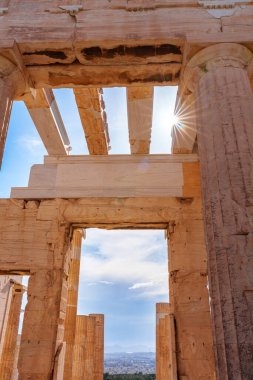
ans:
x=129 y=363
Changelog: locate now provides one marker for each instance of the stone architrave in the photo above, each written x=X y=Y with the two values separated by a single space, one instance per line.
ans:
x=218 y=77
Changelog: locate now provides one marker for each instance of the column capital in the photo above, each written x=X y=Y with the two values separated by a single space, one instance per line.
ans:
x=212 y=57
x=6 y=67
x=11 y=74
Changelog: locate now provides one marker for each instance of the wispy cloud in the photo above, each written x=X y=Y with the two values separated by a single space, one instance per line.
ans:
x=137 y=258
x=140 y=285
x=32 y=144
x=108 y=283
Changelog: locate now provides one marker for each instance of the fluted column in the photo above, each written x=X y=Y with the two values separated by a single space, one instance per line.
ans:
x=7 y=361
x=6 y=98
x=166 y=366
x=98 y=346
x=80 y=348
x=224 y=110
x=11 y=83
x=72 y=298
x=84 y=352
x=88 y=357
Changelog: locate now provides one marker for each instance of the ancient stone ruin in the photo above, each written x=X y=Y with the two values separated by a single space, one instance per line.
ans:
x=201 y=194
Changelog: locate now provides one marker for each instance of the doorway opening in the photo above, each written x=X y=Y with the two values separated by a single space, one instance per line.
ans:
x=123 y=274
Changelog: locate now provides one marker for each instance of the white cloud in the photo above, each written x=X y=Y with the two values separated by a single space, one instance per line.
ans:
x=33 y=144
x=100 y=283
x=136 y=258
x=106 y=282
x=139 y=285
x=92 y=284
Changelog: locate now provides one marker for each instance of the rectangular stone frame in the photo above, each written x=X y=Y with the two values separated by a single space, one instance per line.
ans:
x=35 y=240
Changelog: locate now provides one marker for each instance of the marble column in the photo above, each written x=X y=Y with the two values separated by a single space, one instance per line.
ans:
x=166 y=366
x=42 y=335
x=88 y=357
x=11 y=83
x=72 y=298
x=218 y=78
x=6 y=99
x=8 y=351
x=98 y=346
x=80 y=348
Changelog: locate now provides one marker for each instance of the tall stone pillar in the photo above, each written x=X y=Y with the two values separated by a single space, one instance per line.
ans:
x=6 y=283
x=7 y=360
x=224 y=109
x=188 y=296
x=6 y=97
x=71 y=311
x=80 y=349
x=11 y=82
x=166 y=365
x=98 y=346
x=40 y=327
x=42 y=335
x=88 y=358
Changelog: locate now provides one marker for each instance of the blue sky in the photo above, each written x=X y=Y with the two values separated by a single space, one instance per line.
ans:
x=123 y=273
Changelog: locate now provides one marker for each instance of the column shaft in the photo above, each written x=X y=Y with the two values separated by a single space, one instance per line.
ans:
x=88 y=357
x=11 y=334
x=225 y=138
x=78 y=369
x=99 y=346
x=6 y=99
x=188 y=296
x=40 y=328
x=36 y=242
x=166 y=368
x=71 y=310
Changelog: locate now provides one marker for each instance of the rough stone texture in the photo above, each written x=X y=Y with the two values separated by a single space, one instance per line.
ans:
x=140 y=113
x=6 y=96
x=189 y=299
x=71 y=309
x=166 y=361
x=145 y=43
x=6 y=283
x=47 y=119
x=48 y=236
x=80 y=349
x=9 y=335
x=88 y=360
x=98 y=346
x=93 y=116
x=12 y=84
x=225 y=136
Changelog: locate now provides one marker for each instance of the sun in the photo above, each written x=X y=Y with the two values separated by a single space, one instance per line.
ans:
x=174 y=119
